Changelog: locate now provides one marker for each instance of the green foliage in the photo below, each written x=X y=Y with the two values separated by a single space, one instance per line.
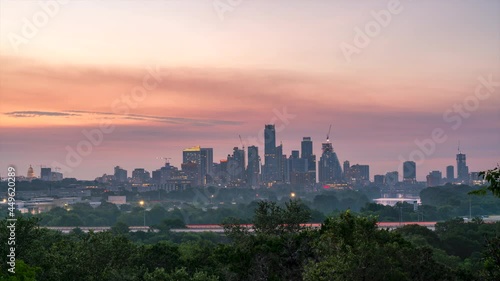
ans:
x=276 y=250
x=455 y=200
x=420 y=234
x=491 y=269
x=120 y=228
x=98 y=256
x=165 y=255
x=326 y=203
x=23 y=272
x=167 y=224
x=181 y=274
x=493 y=178
x=270 y=218
x=352 y=248
x=279 y=247
x=156 y=215
x=459 y=238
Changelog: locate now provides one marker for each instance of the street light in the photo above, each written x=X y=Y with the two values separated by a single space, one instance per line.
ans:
x=144 y=212
x=292 y=194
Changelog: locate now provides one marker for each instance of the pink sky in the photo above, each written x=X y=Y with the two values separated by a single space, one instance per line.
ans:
x=224 y=78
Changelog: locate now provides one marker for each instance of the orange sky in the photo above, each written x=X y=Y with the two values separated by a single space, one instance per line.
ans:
x=220 y=79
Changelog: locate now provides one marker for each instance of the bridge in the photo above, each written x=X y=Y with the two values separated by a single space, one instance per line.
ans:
x=219 y=229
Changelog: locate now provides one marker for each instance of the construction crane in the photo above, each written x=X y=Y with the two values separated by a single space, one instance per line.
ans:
x=328 y=135
x=166 y=159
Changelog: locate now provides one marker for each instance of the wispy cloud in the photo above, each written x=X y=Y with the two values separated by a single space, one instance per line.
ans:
x=165 y=119
x=137 y=117
x=23 y=114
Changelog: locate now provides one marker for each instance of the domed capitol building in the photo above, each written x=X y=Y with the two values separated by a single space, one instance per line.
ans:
x=31 y=173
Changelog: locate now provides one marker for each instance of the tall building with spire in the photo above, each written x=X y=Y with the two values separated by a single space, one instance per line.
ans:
x=462 y=168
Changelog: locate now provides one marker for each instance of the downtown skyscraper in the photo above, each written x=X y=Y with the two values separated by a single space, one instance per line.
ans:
x=450 y=173
x=206 y=164
x=197 y=162
x=462 y=168
x=409 y=172
x=191 y=164
x=236 y=166
x=307 y=154
x=329 y=166
x=253 y=168
x=270 y=172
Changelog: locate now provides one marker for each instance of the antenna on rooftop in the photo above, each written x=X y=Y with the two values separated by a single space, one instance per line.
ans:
x=328 y=135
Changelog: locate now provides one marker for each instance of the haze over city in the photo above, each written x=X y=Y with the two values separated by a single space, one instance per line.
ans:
x=218 y=78
x=242 y=140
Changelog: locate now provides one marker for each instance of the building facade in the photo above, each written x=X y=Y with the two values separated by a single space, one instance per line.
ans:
x=120 y=174
x=450 y=173
x=253 y=168
x=329 y=166
x=462 y=169
x=409 y=172
x=308 y=154
x=270 y=172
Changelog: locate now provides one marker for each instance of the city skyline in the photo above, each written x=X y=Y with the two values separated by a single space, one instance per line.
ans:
x=332 y=171
x=254 y=67
x=233 y=139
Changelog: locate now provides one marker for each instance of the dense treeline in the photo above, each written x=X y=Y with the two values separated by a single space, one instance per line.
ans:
x=212 y=205
x=438 y=204
x=346 y=247
x=455 y=200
